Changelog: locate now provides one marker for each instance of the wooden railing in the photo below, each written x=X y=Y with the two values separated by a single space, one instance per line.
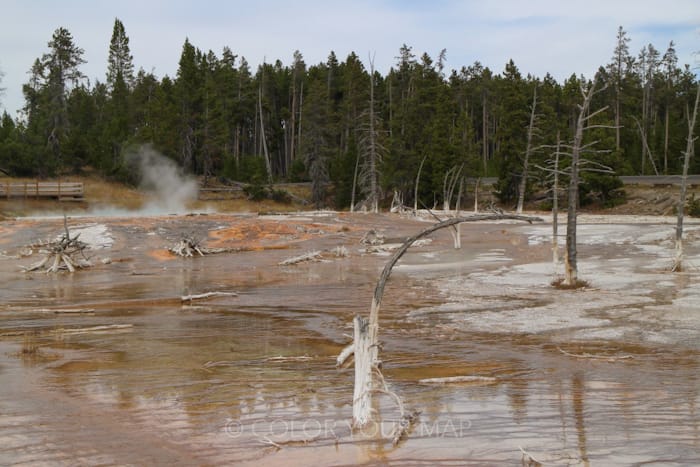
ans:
x=63 y=191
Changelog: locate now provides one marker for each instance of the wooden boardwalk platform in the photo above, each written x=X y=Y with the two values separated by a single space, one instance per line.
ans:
x=63 y=191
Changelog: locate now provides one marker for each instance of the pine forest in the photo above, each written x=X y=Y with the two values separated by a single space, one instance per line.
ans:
x=357 y=136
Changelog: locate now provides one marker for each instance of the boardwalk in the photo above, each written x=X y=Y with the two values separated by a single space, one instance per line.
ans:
x=63 y=191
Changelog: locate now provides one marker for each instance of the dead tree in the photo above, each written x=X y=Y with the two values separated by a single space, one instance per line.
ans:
x=689 y=151
x=415 y=192
x=365 y=346
x=449 y=184
x=577 y=165
x=62 y=254
x=528 y=152
x=372 y=150
x=555 y=207
x=554 y=172
x=645 y=145
x=190 y=246
x=266 y=154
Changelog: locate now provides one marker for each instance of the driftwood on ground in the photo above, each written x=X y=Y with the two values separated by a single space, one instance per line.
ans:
x=313 y=256
x=66 y=253
x=459 y=379
x=190 y=246
x=202 y=296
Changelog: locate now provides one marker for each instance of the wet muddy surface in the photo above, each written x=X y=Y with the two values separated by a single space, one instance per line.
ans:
x=110 y=366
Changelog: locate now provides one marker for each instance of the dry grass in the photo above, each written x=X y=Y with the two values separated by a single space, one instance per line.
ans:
x=98 y=191
x=560 y=283
x=101 y=193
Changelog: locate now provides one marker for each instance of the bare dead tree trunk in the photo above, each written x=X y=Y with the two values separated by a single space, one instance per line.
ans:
x=555 y=208
x=292 y=131
x=268 y=167
x=528 y=151
x=373 y=152
x=666 y=126
x=301 y=109
x=476 y=195
x=689 y=151
x=415 y=192
x=571 y=278
x=485 y=132
x=366 y=332
x=448 y=186
x=645 y=145
x=354 y=183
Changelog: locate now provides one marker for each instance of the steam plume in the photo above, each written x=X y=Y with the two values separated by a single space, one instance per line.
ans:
x=170 y=187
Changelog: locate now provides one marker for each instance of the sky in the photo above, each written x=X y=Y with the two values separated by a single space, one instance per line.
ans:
x=560 y=37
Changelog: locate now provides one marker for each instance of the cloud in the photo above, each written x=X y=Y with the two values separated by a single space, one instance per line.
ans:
x=541 y=36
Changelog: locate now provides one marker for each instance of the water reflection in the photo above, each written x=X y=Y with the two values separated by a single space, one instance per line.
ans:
x=203 y=384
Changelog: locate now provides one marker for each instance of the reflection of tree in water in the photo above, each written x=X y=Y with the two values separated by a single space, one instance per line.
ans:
x=577 y=395
x=517 y=397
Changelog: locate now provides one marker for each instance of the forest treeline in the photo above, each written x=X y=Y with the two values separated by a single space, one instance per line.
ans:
x=342 y=125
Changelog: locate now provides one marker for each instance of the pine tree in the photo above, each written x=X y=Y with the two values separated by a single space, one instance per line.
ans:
x=511 y=133
x=46 y=97
x=120 y=80
x=188 y=87
x=120 y=66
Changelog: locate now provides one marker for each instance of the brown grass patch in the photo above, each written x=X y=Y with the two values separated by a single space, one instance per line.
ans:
x=561 y=284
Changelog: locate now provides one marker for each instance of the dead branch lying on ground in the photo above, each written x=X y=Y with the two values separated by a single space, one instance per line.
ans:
x=98 y=329
x=459 y=379
x=202 y=296
x=62 y=254
x=303 y=258
x=190 y=246
x=595 y=357
x=312 y=256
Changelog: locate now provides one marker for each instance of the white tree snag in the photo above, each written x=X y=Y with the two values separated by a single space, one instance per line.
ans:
x=373 y=152
x=61 y=254
x=528 y=151
x=476 y=196
x=366 y=332
x=571 y=266
x=452 y=176
x=268 y=167
x=555 y=208
x=365 y=362
x=415 y=191
x=689 y=151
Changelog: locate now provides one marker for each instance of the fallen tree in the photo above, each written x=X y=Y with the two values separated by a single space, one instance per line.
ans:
x=365 y=346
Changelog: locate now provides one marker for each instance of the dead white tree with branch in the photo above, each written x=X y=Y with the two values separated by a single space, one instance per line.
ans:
x=552 y=168
x=365 y=346
x=415 y=191
x=689 y=152
x=531 y=129
x=577 y=165
x=645 y=145
x=372 y=150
